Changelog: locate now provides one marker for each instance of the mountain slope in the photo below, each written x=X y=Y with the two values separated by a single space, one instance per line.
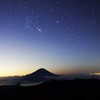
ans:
x=41 y=75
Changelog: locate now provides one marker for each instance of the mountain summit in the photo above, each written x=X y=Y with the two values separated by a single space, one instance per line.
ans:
x=41 y=75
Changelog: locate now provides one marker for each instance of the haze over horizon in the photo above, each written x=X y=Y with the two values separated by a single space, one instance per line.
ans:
x=62 y=36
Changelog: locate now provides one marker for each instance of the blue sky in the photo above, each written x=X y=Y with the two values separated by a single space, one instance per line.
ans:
x=60 y=35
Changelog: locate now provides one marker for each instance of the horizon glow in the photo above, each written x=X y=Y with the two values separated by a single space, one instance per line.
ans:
x=62 y=36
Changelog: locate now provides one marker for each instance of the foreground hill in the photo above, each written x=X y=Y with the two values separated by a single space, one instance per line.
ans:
x=54 y=90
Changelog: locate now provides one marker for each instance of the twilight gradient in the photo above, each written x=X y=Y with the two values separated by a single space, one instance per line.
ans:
x=62 y=36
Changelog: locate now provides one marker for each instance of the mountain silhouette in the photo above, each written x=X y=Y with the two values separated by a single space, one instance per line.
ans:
x=41 y=75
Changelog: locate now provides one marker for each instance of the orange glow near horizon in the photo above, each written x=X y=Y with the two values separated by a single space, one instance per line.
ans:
x=13 y=71
x=98 y=73
x=4 y=72
x=20 y=71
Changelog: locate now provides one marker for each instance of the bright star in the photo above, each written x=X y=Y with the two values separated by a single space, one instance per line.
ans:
x=38 y=29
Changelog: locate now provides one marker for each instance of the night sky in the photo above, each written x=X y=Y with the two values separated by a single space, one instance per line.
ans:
x=62 y=36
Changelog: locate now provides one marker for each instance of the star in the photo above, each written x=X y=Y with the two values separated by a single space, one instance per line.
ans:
x=40 y=30
x=57 y=22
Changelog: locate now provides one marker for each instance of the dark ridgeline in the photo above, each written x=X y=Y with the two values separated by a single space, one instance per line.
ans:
x=86 y=89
